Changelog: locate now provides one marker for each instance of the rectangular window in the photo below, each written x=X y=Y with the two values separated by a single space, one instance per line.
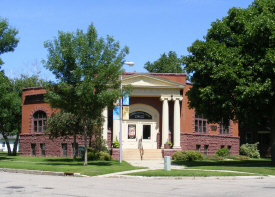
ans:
x=224 y=129
x=3 y=144
x=64 y=150
x=229 y=148
x=42 y=147
x=249 y=137
x=33 y=147
x=264 y=138
x=222 y=147
x=198 y=147
x=200 y=124
x=147 y=132
x=205 y=149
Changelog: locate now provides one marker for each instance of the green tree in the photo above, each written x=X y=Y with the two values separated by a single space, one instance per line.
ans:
x=166 y=64
x=10 y=112
x=87 y=69
x=232 y=69
x=64 y=124
x=8 y=39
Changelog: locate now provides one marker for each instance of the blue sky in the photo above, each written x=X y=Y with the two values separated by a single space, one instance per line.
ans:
x=148 y=27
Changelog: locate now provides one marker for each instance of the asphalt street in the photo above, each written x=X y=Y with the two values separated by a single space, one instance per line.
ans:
x=17 y=184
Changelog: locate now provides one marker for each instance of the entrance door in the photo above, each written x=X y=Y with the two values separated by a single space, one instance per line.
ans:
x=142 y=125
x=137 y=130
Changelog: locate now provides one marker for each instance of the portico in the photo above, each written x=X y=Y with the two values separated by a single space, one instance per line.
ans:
x=148 y=121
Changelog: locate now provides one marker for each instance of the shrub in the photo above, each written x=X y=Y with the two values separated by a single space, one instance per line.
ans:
x=213 y=157
x=194 y=155
x=222 y=152
x=237 y=157
x=180 y=156
x=250 y=150
x=103 y=156
x=189 y=155
x=94 y=155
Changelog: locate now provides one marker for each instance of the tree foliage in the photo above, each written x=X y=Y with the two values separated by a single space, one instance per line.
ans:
x=8 y=39
x=10 y=111
x=11 y=105
x=166 y=64
x=87 y=69
x=233 y=67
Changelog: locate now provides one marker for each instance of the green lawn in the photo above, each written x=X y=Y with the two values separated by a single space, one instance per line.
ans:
x=257 y=166
x=63 y=164
x=197 y=173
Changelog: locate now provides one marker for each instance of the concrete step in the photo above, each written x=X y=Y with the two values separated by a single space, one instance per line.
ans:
x=149 y=154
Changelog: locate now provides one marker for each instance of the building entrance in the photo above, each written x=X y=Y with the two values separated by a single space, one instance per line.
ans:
x=142 y=125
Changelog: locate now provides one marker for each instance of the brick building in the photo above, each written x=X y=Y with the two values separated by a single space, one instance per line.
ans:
x=158 y=112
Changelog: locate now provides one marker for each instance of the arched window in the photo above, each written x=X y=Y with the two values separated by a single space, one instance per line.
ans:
x=39 y=121
x=140 y=115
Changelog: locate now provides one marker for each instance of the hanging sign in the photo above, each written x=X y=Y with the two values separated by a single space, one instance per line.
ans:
x=116 y=113
x=125 y=112
x=126 y=100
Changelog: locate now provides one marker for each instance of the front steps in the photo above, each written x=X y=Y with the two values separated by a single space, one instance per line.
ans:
x=149 y=154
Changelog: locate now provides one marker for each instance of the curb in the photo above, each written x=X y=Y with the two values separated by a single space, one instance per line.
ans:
x=38 y=172
x=190 y=178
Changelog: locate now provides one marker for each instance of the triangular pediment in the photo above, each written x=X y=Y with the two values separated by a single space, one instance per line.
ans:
x=146 y=80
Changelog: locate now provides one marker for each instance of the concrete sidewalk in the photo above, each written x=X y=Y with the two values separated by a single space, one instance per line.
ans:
x=153 y=164
x=149 y=164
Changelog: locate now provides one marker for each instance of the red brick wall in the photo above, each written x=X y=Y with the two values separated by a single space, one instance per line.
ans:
x=28 y=109
x=189 y=142
x=52 y=148
x=115 y=153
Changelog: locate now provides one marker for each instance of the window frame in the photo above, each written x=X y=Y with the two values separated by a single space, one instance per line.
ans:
x=197 y=127
x=64 y=149
x=223 y=130
x=37 y=128
x=43 y=149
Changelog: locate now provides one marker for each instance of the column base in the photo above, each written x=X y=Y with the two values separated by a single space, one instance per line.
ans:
x=176 y=147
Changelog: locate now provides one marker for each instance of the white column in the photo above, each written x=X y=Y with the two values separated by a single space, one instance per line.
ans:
x=116 y=129
x=176 y=135
x=165 y=119
x=105 y=123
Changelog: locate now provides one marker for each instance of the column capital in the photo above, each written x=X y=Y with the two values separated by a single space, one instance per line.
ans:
x=174 y=98
x=165 y=97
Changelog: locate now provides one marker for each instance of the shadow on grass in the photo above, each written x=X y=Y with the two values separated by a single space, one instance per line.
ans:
x=243 y=163
x=4 y=156
x=79 y=162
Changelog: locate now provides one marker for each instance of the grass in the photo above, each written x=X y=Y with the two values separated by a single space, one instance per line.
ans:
x=197 y=173
x=63 y=164
x=258 y=166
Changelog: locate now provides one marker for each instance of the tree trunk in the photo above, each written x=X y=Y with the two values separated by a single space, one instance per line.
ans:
x=85 y=142
x=15 y=145
x=74 y=146
x=273 y=139
x=7 y=142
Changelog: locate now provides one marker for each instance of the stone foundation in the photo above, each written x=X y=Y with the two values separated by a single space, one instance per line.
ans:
x=214 y=142
x=53 y=148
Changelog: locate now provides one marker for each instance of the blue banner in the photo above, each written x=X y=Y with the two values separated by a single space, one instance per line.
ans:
x=126 y=100
x=116 y=113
